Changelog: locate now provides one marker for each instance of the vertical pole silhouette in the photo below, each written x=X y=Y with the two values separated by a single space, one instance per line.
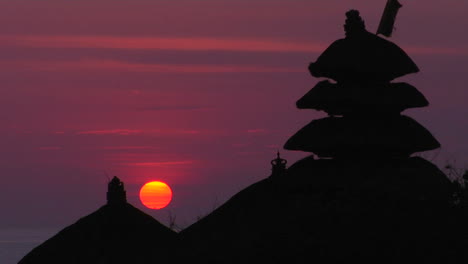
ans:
x=387 y=21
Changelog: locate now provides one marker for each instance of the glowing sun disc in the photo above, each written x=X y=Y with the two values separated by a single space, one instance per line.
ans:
x=155 y=195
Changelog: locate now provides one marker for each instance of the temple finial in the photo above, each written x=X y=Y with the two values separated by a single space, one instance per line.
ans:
x=278 y=166
x=116 y=192
x=354 y=23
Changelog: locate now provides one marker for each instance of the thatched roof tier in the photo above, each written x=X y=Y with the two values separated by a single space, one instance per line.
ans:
x=115 y=233
x=363 y=56
x=344 y=136
x=339 y=99
x=362 y=209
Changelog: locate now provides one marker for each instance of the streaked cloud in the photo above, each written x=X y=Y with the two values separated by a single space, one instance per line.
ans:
x=50 y=148
x=192 y=44
x=123 y=132
x=160 y=43
x=122 y=66
x=127 y=147
x=174 y=108
x=126 y=132
x=256 y=131
x=190 y=132
x=160 y=163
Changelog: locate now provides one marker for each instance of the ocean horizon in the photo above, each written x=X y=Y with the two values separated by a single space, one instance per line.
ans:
x=15 y=243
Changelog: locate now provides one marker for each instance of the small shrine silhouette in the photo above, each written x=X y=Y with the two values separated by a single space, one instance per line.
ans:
x=116 y=192
x=278 y=166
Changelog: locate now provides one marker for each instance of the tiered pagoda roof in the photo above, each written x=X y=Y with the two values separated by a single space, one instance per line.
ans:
x=364 y=105
x=362 y=55
x=339 y=99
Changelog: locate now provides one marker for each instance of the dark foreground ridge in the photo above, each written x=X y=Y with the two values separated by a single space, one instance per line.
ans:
x=365 y=199
x=115 y=233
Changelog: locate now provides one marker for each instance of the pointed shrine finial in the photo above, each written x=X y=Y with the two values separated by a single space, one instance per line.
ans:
x=278 y=166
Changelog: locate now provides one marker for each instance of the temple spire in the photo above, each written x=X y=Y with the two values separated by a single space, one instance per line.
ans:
x=278 y=166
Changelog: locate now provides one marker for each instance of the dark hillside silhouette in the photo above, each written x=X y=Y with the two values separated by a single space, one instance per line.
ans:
x=116 y=233
x=331 y=211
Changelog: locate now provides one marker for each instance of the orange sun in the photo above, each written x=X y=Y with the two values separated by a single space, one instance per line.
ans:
x=155 y=195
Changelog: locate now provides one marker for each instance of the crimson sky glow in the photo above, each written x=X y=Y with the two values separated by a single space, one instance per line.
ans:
x=198 y=94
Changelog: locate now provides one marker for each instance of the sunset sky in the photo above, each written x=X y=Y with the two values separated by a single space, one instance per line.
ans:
x=198 y=94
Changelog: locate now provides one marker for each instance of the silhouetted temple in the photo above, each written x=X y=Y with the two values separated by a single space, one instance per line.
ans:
x=366 y=199
x=364 y=105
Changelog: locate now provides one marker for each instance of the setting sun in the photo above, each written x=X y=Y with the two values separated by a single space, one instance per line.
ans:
x=155 y=195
